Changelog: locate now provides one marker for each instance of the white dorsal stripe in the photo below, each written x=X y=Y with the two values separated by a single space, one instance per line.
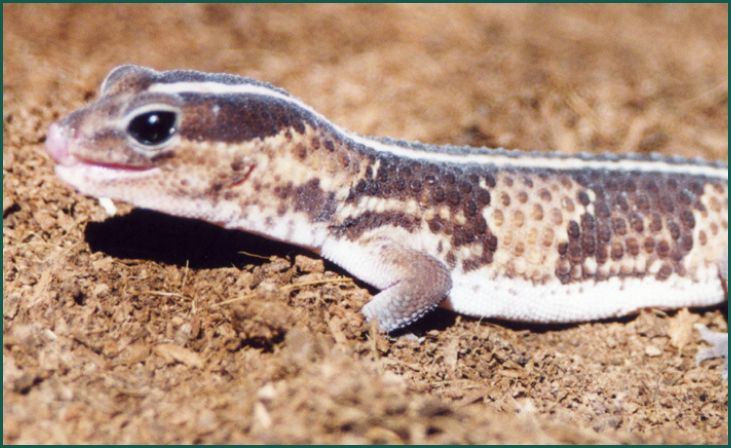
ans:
x=534 y=160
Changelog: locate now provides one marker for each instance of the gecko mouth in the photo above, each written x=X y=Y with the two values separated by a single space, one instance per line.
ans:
x=110 y=165
x=57 y=146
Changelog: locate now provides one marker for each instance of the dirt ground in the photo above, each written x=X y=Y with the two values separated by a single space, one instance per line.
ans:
x=141 y=328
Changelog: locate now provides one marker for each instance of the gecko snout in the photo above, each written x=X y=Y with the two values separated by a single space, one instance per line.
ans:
x=57 y=145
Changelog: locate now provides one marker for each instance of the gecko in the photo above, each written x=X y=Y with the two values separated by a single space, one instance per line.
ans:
x=543 y=237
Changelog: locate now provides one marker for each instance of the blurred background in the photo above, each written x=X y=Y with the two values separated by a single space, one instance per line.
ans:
x=569 y=77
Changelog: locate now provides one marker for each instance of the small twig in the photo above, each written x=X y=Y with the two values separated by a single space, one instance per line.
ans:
x=185 y=273
x=253 y=255
x=166 y=294
x=238 y=299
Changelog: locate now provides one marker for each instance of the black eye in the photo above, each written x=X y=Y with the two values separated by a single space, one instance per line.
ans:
x=152 y=128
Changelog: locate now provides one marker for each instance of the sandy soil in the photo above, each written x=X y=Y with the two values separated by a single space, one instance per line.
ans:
x=144 y=328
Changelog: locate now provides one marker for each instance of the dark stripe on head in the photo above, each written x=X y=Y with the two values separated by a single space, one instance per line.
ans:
x=239 y=118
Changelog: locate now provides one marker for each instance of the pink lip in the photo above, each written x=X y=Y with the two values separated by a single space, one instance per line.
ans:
x=57 y=146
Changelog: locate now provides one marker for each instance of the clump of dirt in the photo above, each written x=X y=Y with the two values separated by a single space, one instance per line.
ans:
x=142 y=328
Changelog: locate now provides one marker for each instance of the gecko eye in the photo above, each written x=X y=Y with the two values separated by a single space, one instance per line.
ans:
x=153 y=128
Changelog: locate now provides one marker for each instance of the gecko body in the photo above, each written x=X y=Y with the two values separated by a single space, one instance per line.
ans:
x=523 y=236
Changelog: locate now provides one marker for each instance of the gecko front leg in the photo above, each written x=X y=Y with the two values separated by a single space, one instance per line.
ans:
x=412 y=282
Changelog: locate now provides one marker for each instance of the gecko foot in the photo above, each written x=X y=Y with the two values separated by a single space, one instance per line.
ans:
x=719 y=346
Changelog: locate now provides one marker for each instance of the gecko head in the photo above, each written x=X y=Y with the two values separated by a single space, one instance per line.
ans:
x=153 y=137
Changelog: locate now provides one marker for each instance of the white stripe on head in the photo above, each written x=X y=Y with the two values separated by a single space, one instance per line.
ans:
x=533 y=160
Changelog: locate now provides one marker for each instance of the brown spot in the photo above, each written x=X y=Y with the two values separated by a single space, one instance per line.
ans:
x=548 y=236
x=588 y=243
x=490 y=180
x=603 y=232
x=237 y=165
x=505 y=199
x=619 y=225
x=583 y=198
x=300 y=151
x=567 y=203
x=498 y=218
x=544 y=194
x=483 y=197
x=633 y=246
x=563 y=249
x=556 y=216
x=655 y=223
x=435 y=225
x=470 y=208
x=602 y=254
x=437 y=195
x=676 y=254
x=563 y=272
x=685 y=197
x=662 y=249
x=537 y=212
x=575 y=252
x=587 y=223
x=666 y=204
x=702 y=238
x=617 y=251
x=643 y=202
x=523 y=197
x=518 y=249
x=635 y=221
x=664 y=272
x=601 y=209
x=518 y=218
x=674 y=229
x=453 y=197
x=687 y=219
x=573 y=229
x=714 y=228
x=715 y=204
x=451 y=260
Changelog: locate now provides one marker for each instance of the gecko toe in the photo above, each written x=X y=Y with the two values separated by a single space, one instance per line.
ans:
x=719 y=347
